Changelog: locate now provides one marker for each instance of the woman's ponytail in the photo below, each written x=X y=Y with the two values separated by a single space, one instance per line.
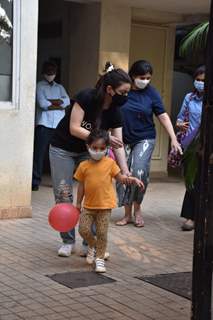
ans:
x=112 y=77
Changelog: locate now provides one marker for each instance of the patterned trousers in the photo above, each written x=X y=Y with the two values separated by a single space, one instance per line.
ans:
x=139 y=159
x=101 y=220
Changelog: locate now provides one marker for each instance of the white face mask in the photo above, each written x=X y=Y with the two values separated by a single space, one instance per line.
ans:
x=97 y=155
x=50 y=78
x=141 y=84
x=199 y=85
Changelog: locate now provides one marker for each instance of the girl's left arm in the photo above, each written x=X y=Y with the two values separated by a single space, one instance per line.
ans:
x=80 y=195
x=120 y=152
x=166 y=123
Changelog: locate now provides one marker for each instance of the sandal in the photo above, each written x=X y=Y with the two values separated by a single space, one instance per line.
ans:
x=139 y=222
x=123 y=222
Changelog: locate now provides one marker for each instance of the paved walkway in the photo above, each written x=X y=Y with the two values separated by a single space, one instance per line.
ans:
x=28 y=253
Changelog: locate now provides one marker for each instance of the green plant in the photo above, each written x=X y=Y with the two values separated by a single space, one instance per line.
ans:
x=194 y=41
x=190 y=162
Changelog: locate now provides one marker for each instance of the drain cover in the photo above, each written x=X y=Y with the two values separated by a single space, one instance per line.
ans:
x=80 y=279
x=177 y=283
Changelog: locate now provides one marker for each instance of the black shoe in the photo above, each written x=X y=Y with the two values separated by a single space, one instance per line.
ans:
x=35 y=188
x=188 y=225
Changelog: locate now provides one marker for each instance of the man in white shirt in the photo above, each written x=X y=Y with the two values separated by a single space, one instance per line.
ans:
x=52 y=100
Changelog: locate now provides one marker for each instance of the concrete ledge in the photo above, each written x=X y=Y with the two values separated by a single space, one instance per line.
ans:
x=15 y=213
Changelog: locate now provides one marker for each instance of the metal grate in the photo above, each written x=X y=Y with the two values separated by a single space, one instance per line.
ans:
x=80 y=279
x=177 y=283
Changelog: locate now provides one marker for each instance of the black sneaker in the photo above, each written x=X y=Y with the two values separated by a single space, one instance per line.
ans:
x=188 y=225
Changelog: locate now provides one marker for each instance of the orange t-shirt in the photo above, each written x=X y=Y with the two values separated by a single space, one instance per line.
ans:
x=97 y=177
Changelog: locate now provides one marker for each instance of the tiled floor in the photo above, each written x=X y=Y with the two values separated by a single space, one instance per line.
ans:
x=28 y=252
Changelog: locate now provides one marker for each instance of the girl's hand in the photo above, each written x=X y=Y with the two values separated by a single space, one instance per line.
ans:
x=175 y=145
x=115 y=142
x=79 y=207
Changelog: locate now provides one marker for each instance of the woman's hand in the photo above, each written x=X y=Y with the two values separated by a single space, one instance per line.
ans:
x=175 y=145
x=126 y=173
x=115 y=142
x=182 y=126
x=136 y=181
x=166 y=122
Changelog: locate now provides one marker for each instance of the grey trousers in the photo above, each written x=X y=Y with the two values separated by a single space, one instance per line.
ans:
x=139 y=159
x=63 y=164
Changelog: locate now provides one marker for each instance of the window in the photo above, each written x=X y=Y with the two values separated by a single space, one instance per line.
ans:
x=9 y=44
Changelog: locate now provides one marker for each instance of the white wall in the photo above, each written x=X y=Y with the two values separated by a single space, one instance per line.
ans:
x=16 y=129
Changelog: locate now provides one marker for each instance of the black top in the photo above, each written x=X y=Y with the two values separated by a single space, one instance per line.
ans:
x=109 y=119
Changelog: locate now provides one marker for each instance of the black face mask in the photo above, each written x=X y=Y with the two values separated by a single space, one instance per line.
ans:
x=119 y=99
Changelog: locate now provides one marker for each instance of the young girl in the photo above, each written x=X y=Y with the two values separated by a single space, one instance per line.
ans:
x=99 y=106
x=96 y=187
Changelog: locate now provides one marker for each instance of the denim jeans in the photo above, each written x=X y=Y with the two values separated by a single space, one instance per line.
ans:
x=43 y=136
x=63 y=164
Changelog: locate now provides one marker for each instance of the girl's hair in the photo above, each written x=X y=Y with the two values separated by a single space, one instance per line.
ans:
x=140 y=68
x=200 y=70
x=97 y=134
x=112 y=77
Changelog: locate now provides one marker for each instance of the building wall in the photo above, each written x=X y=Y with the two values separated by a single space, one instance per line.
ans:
x=114 y=34
x=16 y=130
x=94 y=34
x=84 y=36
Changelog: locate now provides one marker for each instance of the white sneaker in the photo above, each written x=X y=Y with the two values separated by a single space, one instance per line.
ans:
x=100 y=266
x=90 y=255
x=65 y=250
x=84 y=250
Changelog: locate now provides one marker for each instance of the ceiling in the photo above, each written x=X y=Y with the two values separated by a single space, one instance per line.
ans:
x=174 y=6
x=185 y=7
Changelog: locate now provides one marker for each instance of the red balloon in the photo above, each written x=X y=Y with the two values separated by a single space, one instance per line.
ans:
x=63 y=217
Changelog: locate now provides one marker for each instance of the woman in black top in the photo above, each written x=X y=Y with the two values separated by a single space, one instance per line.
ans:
x=92 y=108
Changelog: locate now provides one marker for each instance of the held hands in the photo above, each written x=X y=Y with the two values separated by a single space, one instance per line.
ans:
x=133 y=180
x=126 y=173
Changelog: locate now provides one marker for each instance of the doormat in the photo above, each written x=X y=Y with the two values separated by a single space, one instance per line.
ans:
x=80 y=279
x=177 y=283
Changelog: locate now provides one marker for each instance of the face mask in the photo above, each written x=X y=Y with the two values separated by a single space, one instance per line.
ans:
x=141 y=84
x=49 y=78
x=119 y=99
x=97 y=155
x=199 y=85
